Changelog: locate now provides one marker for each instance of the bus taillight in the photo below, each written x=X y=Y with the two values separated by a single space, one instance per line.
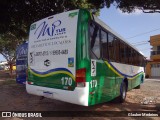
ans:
x=30 y=83
x=81 y=77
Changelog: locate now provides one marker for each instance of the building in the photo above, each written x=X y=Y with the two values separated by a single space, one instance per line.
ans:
x=153 y=66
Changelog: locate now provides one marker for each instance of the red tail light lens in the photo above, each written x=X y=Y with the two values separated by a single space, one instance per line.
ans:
x=30 y=83
x=81 y=77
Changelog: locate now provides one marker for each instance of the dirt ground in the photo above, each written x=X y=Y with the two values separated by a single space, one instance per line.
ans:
x=13 y=97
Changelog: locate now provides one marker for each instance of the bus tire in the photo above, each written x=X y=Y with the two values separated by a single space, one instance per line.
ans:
x=123 y=92
x=138 y=87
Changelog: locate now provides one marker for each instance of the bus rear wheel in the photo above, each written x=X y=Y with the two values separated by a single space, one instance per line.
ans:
x=138 y=87
x=123 y=93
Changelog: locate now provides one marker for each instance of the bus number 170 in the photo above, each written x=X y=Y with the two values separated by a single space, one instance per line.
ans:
x=66 y=81
x=93 y=83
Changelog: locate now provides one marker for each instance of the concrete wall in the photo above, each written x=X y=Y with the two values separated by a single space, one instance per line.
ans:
x=155 y=40
x=148 y=69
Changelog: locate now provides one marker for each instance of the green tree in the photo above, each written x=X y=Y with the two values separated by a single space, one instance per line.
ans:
x=28 y=11
x=147 y=6
x=10 y=40
x=17 y=15
x=8 y=43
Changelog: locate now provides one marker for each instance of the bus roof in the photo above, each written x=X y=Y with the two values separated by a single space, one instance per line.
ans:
x=97 y=20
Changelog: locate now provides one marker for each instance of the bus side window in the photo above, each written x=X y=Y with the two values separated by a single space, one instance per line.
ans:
x=126 y=54
x=104 y=45
x=122 y=52
x=116 y=50
x=135 y=58
x=140 y=60
x=111 y=47
x=130 y=54
x=95 y=41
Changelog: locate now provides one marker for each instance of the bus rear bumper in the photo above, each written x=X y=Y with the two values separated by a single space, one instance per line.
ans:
x=78 y=96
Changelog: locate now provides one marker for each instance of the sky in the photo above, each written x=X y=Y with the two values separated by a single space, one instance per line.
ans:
x=135 y=27
x=139 y=24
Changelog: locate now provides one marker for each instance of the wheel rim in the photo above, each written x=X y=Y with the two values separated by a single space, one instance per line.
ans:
x=124 y=92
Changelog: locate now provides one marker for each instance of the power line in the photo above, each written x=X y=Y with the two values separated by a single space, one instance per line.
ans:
x=140 y=44
x=143 y=43
x=143 y=33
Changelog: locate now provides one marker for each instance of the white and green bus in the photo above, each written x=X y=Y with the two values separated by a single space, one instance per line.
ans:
x=74 y=57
